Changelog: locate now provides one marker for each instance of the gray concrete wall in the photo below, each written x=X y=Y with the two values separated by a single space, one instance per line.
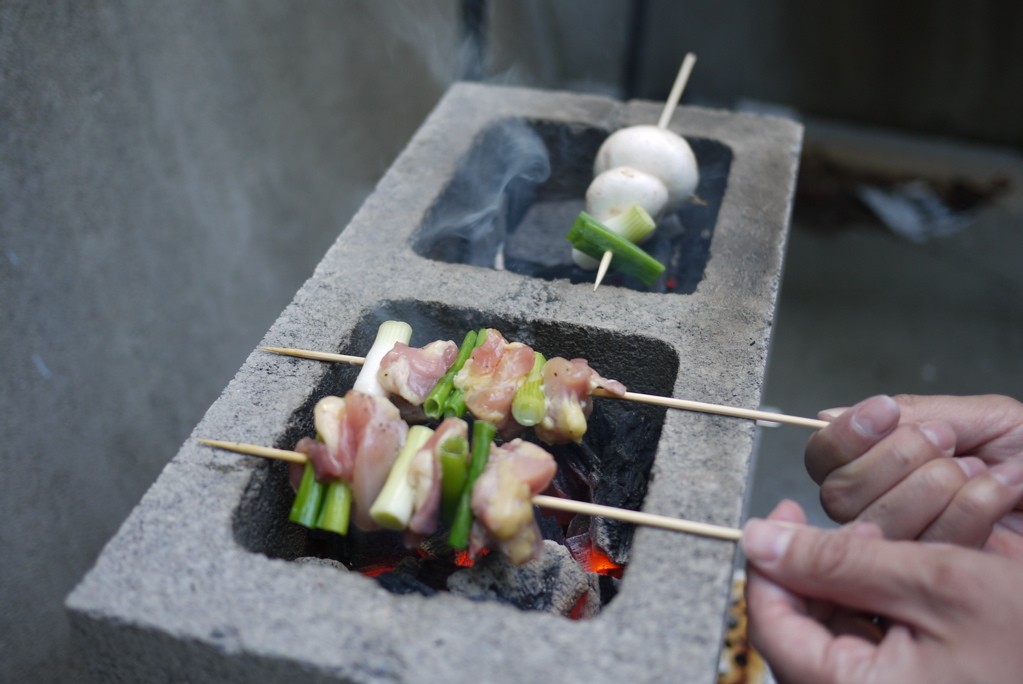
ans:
x=171 y=171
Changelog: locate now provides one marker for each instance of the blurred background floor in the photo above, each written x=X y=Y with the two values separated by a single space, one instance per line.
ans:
x=864 y=311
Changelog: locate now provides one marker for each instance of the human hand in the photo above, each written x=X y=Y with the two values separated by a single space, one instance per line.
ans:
x=886 y=461
x=947 y=614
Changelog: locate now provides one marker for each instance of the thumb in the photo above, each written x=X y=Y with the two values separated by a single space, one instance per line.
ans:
x=851 y=569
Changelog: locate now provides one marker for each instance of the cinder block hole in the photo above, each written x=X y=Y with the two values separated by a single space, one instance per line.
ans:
x=517 y=191
x=611 y=466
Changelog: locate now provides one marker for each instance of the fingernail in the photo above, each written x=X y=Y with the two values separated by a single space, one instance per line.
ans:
x=764 y=541
x=875 y=416
x=940 y=435
x=1009 y=473
x=832 y=413
x=971 y=465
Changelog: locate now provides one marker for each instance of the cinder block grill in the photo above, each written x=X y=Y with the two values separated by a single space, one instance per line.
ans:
x=201 y=584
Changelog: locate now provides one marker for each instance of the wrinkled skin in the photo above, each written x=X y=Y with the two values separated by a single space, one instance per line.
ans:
x=932 y=468
x=947 y=614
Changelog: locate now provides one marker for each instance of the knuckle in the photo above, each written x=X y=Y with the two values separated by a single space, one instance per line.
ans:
x=837 y=500
x=984 y=498
x=909 y=448
x=941 y=476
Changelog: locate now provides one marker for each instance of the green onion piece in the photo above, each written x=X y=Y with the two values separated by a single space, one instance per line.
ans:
x=454 y=467
x=528 y=406
x=306 y=509
x=593 y=238
x=337 y=508
x=455 y=405
x=633 y=225
x=393 y=506
x=388 y=334
x=434 y=404
x=482 y=435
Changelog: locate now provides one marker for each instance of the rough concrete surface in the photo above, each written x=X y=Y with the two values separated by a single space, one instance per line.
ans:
x=174 y=595
x=170 y=174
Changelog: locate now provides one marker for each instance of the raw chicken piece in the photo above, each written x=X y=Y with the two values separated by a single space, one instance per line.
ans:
x=490 y=377
x=377 y=434
x=502 y=500
x=425 y=476
x=362 y=435
x=412 y=372
x=568 y=393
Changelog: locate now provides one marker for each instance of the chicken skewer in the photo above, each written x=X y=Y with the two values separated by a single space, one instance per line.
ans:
x=651 y=399
x=543 y=501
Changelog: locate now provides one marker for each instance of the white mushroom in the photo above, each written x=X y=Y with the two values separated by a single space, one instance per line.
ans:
x=656 y=151
x=617 y=190
x=613 y=193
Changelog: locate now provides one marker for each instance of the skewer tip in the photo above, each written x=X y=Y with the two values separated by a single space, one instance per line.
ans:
x=605 y=262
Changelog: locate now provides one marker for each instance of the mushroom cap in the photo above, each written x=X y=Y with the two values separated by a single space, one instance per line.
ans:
x=618 y=189
x=656 y=151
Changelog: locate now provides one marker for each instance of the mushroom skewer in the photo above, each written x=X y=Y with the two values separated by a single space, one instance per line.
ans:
x=646 y=166
x=668 y=402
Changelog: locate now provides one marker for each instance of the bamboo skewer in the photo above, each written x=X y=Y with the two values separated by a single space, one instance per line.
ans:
x=676 y=90
x=550 y=502
x=652 y=399
x=669 y=110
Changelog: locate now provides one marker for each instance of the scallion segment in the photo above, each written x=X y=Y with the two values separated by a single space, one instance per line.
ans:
x=528 y=406
x=306 y=509
x=388 y=334
x=593 y=238
x=455 y=405
x=482 y=436
x=336 y=510
x=393 y=506
x=633 y=225
x=454 y=467
x=434 y=404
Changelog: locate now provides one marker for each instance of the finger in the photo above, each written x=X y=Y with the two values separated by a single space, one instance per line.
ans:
x=912 y=506
x=895 y=579
x=851 y=488
x=788 y=511
x=989 y=426
x=970 y=516
x=784 y=634
x=850 y=435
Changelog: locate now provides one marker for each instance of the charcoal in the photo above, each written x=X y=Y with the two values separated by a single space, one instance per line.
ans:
x=434 y=573
x=549 y=527
x=402 y=580
x=552 y=583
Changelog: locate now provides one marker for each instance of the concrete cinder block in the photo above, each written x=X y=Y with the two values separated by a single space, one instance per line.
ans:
x=197 y=584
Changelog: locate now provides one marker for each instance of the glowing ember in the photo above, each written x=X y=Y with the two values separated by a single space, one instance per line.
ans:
x=377 y=569
x=462 y=559
x=590 y=558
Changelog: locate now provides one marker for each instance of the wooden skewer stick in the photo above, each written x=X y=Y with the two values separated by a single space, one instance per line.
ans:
x=702 y=407
x=669 y=110
x=648 y=519
x=551 y=502
x=676 y=90
x=652 y=399
x=605 y=262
